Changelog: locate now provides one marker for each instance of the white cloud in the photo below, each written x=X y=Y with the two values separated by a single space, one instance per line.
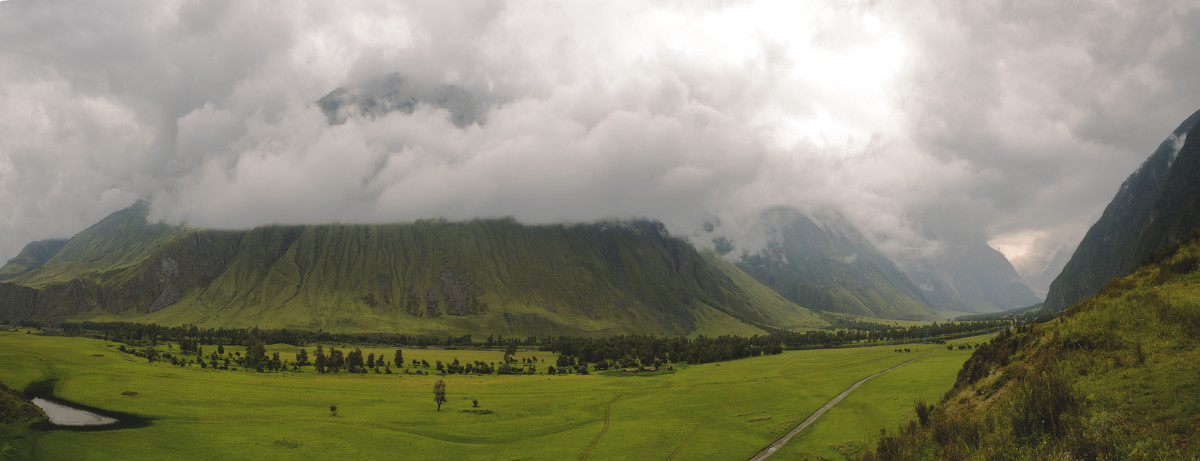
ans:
x=922 y=121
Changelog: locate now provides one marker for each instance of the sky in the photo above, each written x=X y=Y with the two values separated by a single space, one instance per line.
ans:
x=924 y=121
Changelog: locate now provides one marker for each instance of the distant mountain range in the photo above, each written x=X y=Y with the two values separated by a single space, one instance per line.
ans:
x=822 y=261
x=1159 y=204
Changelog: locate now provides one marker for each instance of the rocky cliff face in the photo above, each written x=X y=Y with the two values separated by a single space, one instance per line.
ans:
x=1158 y=204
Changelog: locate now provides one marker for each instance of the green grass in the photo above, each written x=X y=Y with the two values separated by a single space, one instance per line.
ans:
x=1114 y=378
x=886 y=401
x=719 y=411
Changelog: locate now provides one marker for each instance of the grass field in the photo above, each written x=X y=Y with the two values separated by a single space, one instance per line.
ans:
x=726 y=410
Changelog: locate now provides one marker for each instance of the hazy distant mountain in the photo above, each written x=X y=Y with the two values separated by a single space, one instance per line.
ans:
x=33 y=256
x=823 y=262
x=969 y=278
x=1040 y=278
x=394 y=92
x=434 y=277
x=1158 y=204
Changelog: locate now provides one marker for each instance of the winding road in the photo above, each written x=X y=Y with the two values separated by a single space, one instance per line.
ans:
x=772 y=448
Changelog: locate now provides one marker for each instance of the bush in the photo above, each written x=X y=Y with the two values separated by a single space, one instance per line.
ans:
x=923 y=409
x=1043 y=403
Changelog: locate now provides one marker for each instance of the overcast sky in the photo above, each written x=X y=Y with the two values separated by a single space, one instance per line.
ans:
x=923 y=121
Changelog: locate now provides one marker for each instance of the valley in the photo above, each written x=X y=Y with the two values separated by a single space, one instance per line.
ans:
x=497 y=230
x=728 y=410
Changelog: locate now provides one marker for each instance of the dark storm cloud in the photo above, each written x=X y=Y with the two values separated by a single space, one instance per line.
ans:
x=922 y=121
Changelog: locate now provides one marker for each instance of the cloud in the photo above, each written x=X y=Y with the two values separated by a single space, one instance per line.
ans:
x=923 y=122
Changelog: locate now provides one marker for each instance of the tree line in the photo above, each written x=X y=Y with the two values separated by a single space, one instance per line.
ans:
x=575 y=353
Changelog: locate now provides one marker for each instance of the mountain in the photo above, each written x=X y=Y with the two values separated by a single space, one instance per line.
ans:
x=823 y=262
x=33 y=256
x=969 y=277
x=1158 y=204
x=429 y=277
x=1113 y=378
x=394 y=92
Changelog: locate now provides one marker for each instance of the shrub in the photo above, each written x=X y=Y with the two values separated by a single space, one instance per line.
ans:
x=1043 y=403
x=923 y=409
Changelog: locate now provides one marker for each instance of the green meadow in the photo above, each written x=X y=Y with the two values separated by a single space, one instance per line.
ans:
x=727 y=410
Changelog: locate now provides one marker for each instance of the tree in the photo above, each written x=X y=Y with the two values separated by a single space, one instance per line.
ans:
x=333 y=410
x=399 y=360
x=319 y=362
x=354 y=361
x=151 y=354
x=439 y=393
x=336 y=360
x=221 y=349
x=302 y=357
x=256 y=356
x=509 y=352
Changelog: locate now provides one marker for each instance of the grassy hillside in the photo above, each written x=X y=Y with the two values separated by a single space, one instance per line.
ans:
x=483 y=277
x=105 y=252
x=33 y=256
x=1114 y=378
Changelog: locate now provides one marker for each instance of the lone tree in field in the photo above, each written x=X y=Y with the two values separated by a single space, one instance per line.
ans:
x=439 y=393
x=399 y=360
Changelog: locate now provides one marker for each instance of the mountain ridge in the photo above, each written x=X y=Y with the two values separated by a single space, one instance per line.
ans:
x=823 y=262
x=431 y=276
x=1156 y=205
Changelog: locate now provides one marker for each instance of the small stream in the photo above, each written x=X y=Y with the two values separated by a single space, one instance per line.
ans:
x=63 y=415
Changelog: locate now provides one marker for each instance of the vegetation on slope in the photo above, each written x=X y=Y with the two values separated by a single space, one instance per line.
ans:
x=16 y=414
x=33 y=256
x=1113 y=378
x=428 y=277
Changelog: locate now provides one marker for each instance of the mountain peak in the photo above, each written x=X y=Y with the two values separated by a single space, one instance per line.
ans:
x=1156 y=205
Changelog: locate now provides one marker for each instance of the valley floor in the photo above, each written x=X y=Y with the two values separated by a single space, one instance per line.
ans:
x=728 y=410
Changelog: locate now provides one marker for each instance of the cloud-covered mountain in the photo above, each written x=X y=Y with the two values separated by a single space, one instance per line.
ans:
x=1159 y=204
x=823 y=262
x=393 y=92
x=980 y=120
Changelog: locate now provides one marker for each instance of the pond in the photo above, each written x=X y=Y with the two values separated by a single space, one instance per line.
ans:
x=63 y=415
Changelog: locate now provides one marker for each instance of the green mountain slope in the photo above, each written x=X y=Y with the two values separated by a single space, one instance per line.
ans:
x=33 y=256
x=826 y=264
x=1157 y=205
x=484 y=276
x=1114 y=378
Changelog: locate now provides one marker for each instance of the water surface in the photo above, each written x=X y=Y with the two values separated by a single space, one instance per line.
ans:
x=63 y=415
